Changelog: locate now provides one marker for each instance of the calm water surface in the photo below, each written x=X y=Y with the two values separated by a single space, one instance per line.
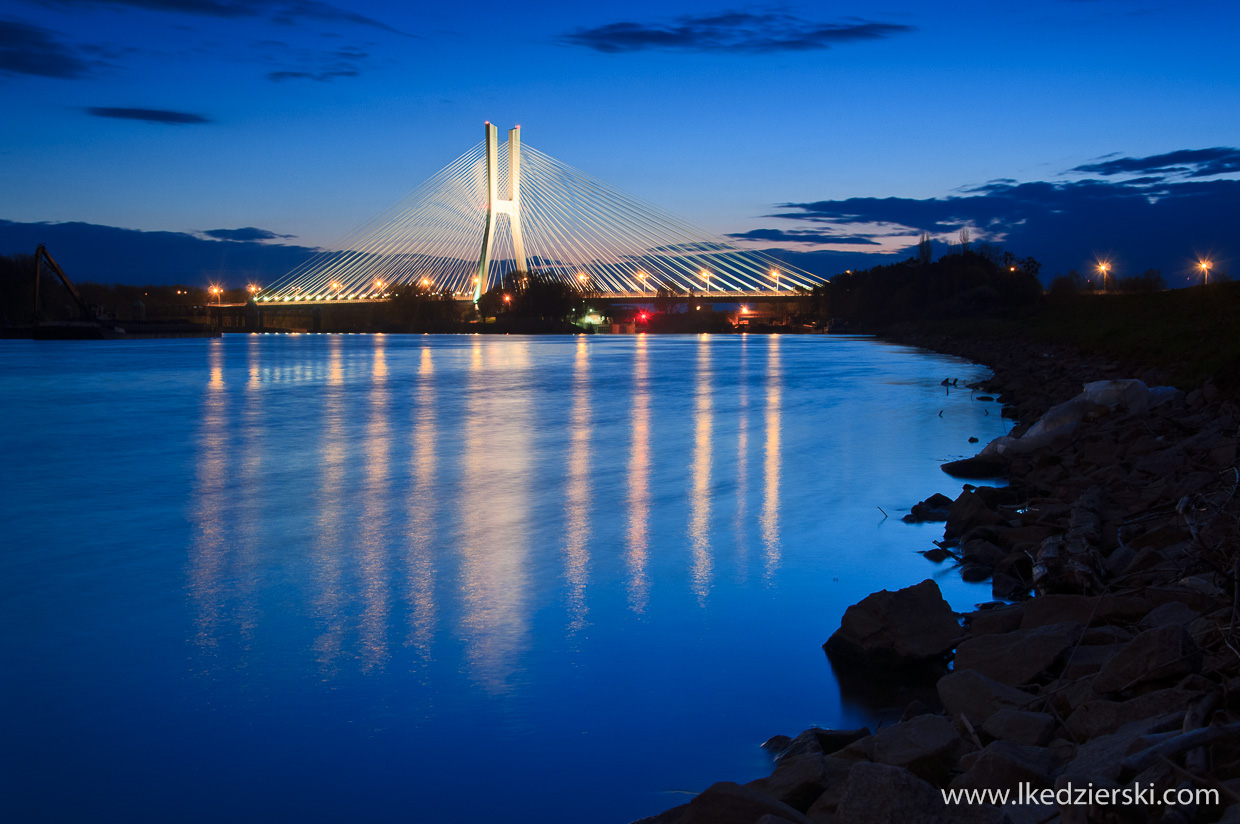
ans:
x=328 y=578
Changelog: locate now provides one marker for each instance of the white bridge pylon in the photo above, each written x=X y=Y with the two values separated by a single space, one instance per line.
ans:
x=447 y=236
x=511 y=206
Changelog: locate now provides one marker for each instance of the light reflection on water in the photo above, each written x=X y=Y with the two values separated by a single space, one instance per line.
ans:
x=342 y=562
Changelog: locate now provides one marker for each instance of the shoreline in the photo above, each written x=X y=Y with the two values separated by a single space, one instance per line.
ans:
x=1116 y=664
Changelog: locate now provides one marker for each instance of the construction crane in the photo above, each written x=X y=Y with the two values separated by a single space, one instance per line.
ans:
x=40 y=256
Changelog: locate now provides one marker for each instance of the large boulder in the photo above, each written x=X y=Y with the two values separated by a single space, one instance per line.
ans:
x=882 y=794
x=1018 y=657
x=913 y=626
x=1157 y=654
x=925 y=745
x=977 y=697
x=1005 y=764
x=729 y=803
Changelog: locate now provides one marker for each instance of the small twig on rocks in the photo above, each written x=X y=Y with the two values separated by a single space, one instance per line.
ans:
x=972 y=732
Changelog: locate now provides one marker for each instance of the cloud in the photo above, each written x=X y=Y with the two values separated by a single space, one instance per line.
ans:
x=322 y=67
x=105 y=254
x=322 y=77
x=804 y=236
x=26 y=49
x=1150 y=222
x=244 y=234
x=148 y=115
x=280 y=11
x=1185 y=162
x=729 y=32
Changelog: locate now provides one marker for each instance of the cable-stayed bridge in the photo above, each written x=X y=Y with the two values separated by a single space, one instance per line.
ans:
x=489 y=214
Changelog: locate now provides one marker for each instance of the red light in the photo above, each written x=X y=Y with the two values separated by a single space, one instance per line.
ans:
x=643 y=316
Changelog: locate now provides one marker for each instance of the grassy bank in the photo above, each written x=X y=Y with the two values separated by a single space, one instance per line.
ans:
x=1192 y=335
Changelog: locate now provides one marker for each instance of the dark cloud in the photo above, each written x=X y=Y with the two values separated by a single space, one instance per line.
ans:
x=26 y=49
x=322 y=67
x=105 y=254
x=1146 y=223
x=149 y=115
x=730 y=32
x=803 y=236
x=244 y=234
x=322 y=77
x=1185 y=162
x=280 y=11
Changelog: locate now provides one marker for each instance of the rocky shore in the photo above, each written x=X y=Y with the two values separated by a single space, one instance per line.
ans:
x=1104 y=679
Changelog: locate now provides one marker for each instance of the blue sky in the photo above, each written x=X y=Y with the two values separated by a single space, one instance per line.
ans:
x=860 y=124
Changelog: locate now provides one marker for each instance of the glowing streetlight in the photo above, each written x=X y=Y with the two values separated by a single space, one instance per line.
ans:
x=1103 y=268
x=775 y=274
x=253 y=288
x=1204 y=266
x=507 y=298
x=642 y=277
x=706 y=277
x=218 y=292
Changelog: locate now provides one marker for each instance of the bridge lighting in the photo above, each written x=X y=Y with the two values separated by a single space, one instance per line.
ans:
x=775 y=274
x=426 y=281
x=1204 y=266
x=706 y=276
x=252 y=288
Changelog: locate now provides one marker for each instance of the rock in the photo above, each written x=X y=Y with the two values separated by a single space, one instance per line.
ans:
x=798 y=780
x=979 y=551
x=974 y=572
x=1021 y=727
x=968 y=511
x=1171 y=613
x=1101 y=716
x=937 y=555
x=1154 y=655
x=879 y=794
x=925 y=745
x=1102 y=756
x=992 y=621
x=931 y=509
x=1087 y=660
x=978 y=468
x=1017 y=657
x=729 y=803
x=913 y=626
x=777 y=745
x=1006 y=764
x=977 y=697
x=823 y=741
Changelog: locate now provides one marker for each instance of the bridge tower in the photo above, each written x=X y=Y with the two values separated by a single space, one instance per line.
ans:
x=510 y=206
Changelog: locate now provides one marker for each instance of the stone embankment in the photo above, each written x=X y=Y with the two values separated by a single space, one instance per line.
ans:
x=1109 y=662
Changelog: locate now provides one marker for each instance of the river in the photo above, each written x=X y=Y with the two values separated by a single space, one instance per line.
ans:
x=441 y=578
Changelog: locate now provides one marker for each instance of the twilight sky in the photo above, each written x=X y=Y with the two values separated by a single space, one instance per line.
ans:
x=1066 y=129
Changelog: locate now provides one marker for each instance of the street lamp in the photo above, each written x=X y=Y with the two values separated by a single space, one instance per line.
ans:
x=706 y=277
x=218 y=292
x=775 y=274
x=1204 y=266
x=1103 y=268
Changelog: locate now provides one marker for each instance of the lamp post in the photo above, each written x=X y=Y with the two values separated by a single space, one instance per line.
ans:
x=775 y=274
x=1103 y=268
x=1204 y=266
x=706 y=277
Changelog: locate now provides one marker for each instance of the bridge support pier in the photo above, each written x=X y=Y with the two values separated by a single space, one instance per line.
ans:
x=510 y=206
